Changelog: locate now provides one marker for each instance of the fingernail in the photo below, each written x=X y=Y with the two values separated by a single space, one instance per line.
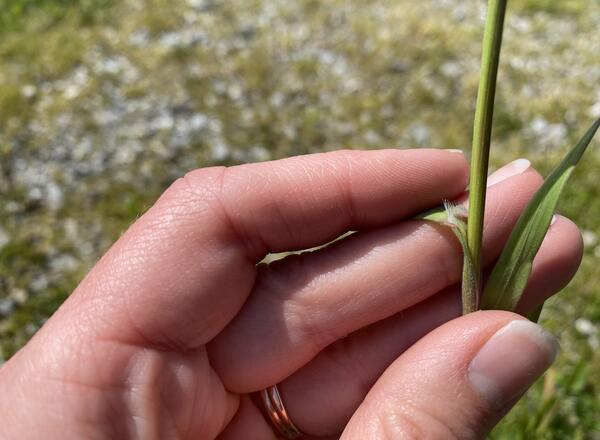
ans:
x=454 y=150
x=514 y=168
x=553 y=220
x=510 y=361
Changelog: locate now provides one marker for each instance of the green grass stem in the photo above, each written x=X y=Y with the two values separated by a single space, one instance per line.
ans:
x=492 y=42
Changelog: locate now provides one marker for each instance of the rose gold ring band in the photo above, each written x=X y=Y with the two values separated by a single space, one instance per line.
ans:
x=277 y=413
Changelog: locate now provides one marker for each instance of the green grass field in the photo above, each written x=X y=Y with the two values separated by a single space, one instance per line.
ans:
x=104 y=102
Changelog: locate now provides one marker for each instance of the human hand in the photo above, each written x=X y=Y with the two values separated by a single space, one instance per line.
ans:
x=176 y=328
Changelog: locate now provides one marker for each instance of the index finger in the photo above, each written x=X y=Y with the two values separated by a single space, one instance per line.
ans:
x=185 y=268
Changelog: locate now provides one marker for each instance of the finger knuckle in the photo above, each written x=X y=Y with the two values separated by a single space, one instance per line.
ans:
x=194 y=196
x=202 y=184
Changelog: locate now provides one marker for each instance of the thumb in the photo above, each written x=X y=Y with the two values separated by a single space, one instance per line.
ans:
x=457 y=382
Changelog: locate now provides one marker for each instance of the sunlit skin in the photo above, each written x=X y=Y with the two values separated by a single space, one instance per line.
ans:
x=176 y=327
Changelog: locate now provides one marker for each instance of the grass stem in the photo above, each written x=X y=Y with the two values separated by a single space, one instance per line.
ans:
x=492 y=42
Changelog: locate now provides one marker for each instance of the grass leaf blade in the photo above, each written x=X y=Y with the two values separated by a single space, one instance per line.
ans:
x=438 y=215
x=507 y=282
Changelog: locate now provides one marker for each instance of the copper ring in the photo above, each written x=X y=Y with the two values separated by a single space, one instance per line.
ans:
x=277 y=413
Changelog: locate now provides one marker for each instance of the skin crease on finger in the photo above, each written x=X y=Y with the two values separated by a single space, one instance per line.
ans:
x=353 y=283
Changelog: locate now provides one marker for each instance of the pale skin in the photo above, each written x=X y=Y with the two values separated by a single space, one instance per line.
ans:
x=174 y=330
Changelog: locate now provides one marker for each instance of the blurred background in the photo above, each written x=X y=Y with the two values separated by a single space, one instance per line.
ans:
x=103 y=103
